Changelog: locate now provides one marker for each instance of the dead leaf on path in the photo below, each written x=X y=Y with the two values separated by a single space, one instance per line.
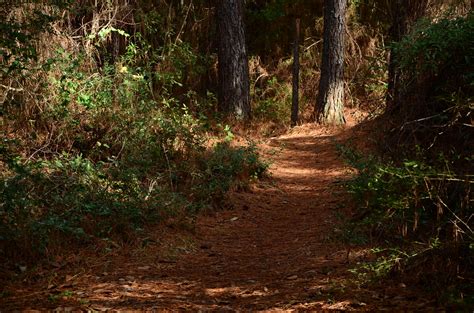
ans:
x=128 y=288
x=103 y=291
x=101 y=309
x=144 y=268
x=234 y=219
x=55 y=264
x=344 y=305
x=166 y=261
x=101 y=286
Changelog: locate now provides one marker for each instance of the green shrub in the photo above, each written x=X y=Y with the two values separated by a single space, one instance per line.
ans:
x=273 y=102
x=72 y=199
x=436 y=62
x=227 y=168
x=435 y=47
x=412 y=199
x=108 y=144
x=421 y=214
x=417 y=201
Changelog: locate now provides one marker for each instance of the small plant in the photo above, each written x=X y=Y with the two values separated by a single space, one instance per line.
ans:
x=401 y=198
x=388 y=260
x=273 y=101
x=227 y=168
x=62 y=295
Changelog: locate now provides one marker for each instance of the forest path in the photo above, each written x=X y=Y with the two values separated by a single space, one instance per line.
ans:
x=274 y=251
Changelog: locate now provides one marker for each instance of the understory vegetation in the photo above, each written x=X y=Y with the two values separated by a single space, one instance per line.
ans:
x=104 y=132
x=415 y=199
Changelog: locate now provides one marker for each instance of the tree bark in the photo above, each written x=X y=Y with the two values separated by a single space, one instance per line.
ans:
x=398 y=29
x=234 y=85
x=404 y=15
x=296 y=74
x=330 y=100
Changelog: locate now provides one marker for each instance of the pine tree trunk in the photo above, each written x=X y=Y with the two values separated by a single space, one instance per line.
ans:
x=398 y=29
x=404 y=15
x=234 y=86
x=296 y=74
x=330 y=101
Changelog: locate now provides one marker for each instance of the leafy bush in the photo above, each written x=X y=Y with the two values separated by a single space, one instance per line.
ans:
x=436 y=65
x=227 y=168
x=72 y=199
x=102 y=143
x=20 y=27
x=410 y=199
x=422 y=213
x=273 y=102
x=433 y=47
x=417 y=200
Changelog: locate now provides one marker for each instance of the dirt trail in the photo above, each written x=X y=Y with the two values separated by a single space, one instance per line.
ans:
x=273 y=247
x=275 y=250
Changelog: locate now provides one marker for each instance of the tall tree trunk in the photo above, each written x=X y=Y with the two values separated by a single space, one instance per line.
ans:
x=330 y=101
x=296 y=74
x=404 y=14
x=234 y=86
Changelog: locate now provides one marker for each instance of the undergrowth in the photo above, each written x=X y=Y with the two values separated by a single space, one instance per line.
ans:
x=70 y=199
x=99 y=143
x=415 y=202
x=421 y=217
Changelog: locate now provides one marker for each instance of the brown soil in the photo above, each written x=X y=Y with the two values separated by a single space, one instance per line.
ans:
x=277 y=250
